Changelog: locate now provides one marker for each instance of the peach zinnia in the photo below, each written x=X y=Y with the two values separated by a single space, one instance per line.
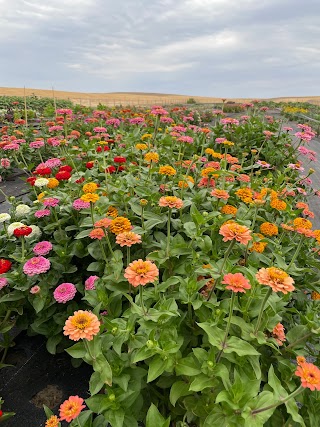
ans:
x=171 y=202
x=277 y=279
x=220 y=194
x=234 y=231
x=236 y=282
x=83 y=324
x=141 y=272
x=71 y=408
x=310 y=376
x=128 y=238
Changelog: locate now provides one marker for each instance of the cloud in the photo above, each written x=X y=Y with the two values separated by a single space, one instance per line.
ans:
x=197 y=47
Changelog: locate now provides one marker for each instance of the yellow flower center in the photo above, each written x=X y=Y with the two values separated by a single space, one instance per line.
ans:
x=81 y=321
x=277 y=274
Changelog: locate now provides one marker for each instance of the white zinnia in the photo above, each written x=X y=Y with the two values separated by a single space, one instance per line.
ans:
x=4 y=217
x=22 y=210
x=36 y=232
x=13 y=226
x=41 y=182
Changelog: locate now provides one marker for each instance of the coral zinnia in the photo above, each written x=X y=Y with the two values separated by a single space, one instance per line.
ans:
x=277 y=279
x=171 y=202
x=232 y=230
x=128 y=238
x=120 y=225
x=236 y=282
x=310 y=376
x=83 y=324
x=220 y=194
x=141 y=272
x=278 y=333
x=71 y=408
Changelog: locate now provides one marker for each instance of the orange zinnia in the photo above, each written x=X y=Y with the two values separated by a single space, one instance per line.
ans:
x=268 y=229
x=83 y=324
x=236 y=282
x=128 y=238
x=234 y=231
x=71 y=408
x=53 y=421
x=277 y=279
x=120 y=225
x=310 y=376
x=141 y=272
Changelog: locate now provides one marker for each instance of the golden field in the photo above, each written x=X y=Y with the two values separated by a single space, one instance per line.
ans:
x=135 y=98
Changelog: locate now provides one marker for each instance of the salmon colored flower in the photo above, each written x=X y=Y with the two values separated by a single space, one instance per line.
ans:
x=278 y=333
x=141 y=272
x=300 y=360
x=234 y=231
x=120 y=225
x=310 y=376
x=128 y=238
x=236 y=282
x=104 y=222
x=220 y=194
x=97 y=233
x=277 y=279
x=71 y=408
x=81 y=325
x=171 y=202
x=53 y=421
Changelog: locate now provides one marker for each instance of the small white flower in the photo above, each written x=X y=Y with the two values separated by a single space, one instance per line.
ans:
x=41 y=182
x=13 y=226
x=22 y=210
x=4 y=217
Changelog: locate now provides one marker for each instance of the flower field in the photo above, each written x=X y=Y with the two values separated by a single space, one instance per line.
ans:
x=176 y=257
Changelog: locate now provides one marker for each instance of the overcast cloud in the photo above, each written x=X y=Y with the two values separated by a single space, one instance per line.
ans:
x=224 y=48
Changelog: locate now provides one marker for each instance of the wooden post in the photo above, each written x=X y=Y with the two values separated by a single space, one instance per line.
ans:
x=54 y=102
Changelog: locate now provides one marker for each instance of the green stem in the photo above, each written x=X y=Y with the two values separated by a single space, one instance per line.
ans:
x=109 y=244
x=261 y=310
x=141 y=300
x=296 y=252
x=266 y=408
x=128 y=262
x=103 y=252
x=92 y=213
x=168 y=233
x=232 y=243
x=22 y=248
x=227 y=329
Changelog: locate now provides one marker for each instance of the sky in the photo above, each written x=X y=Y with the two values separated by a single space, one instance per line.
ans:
x=223 y=48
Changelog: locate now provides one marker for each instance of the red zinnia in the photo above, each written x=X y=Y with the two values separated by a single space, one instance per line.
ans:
x=89 y=165
x=111 y=169
x=119 y=159
x=31 y=180
x=22 y=231
x=65 y=168
x=63 y=175
x=5 y=265
x=42 y=171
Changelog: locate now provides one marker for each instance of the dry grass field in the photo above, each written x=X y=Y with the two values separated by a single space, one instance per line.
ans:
x=134 y=98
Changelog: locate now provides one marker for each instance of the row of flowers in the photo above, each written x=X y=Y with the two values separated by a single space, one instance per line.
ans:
x=180 y=257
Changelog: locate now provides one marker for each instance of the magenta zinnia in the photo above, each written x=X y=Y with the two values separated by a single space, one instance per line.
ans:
x=36 y=265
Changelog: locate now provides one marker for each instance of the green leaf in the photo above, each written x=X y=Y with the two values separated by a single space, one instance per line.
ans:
x=99 y=403
x=47 y=411
x=202 y=382
x=103 y=367
x=178 y=389
x=151 y=223
x=275 y=384
x=190 y=228
x=265 y=399
x=293 y=409
x=116 y=418
x=156 y=367
x=155 y=419
x=82 y=234
x=77 y=351
x=188 y=367
x=242 y=348
x=215 y=335
x=12 y=296
x=52 y=343
x=95 y=383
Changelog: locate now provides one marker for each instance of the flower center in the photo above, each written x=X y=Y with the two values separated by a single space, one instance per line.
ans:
x=81 y=321
x=276 y=274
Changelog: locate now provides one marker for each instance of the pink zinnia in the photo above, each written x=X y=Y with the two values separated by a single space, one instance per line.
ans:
x=235 y=231
x=141 y=272
x=64 y=292
x=80 y=204
x=35 y=289
x=42 y=248
x=51 y=202
x=128 y=238
x=89 y=284
x=36 y=265
x=3 y=282
x=236 y=282
x=53 y=163
x=36 y=144
x=41 y=213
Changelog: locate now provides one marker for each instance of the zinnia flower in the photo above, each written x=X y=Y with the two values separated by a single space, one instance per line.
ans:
x=36 y=265
x=269 y=229
x=53 y=421
x=128 y=238
x=278 y=333
x=171 y=202
x=90 y=197
x=3 y=282
x=5 y=265
x=4 y=217
x=104 y=222
x=22 y=231
x=120 y=225
x=42 y=248
x=310 y=376
x=41 y=182
x=97 y=233
x=236 y=282
x=71 y=408
x=64 y=292
x=141 y=272
x=41 y=213
x=277 y=279
x=220 y=194
x=233 y=230
x=35 y=289
x=91 y=187
x=83 y=324
x=167 y=170
x=79 y=204
x=89 y=284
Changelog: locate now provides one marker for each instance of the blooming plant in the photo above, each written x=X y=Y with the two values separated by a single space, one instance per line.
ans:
x=178 y=259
